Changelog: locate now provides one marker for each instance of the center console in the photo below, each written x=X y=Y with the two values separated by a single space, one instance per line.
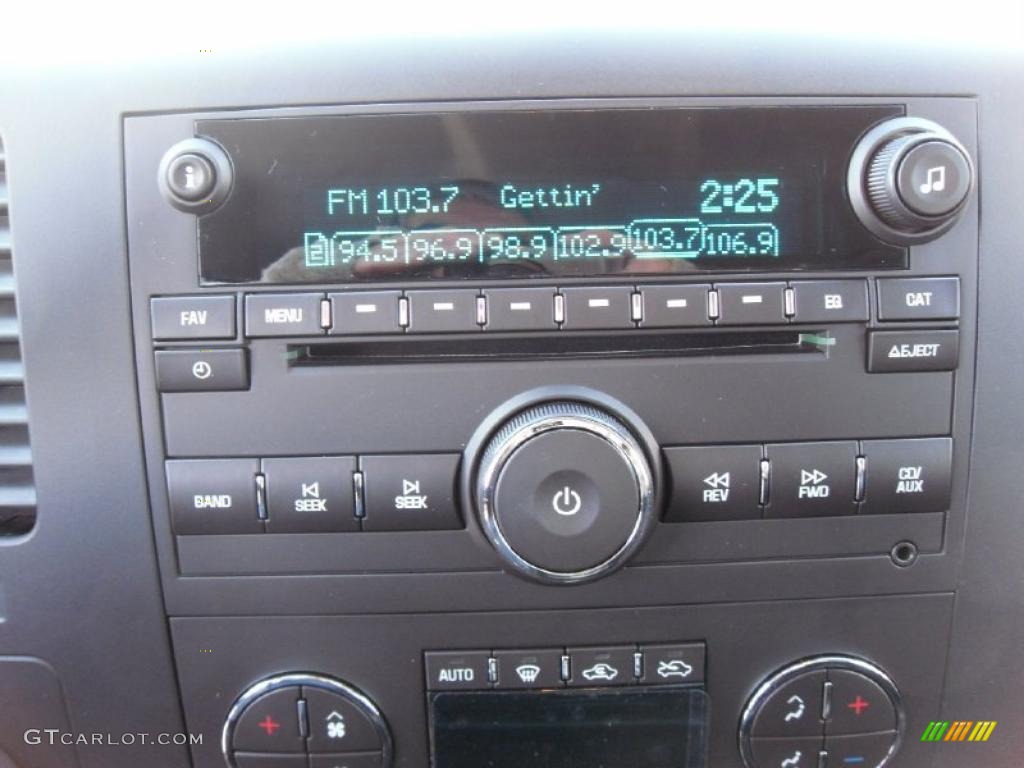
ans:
x=533 y=431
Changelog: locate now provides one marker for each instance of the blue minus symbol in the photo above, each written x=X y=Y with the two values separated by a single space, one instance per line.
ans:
x=855 y=760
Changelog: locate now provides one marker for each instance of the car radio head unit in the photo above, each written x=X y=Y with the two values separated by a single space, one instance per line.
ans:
x=555 y=193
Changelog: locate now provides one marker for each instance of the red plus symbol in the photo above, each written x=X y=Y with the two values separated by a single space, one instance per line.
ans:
x=269 y=726
x=858 y=705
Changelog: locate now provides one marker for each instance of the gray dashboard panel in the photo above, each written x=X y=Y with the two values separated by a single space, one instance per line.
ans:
x=83 y=591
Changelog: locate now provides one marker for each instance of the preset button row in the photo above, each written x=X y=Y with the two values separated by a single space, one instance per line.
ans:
x=659 y=664
x=312 y=494
x=736 y=482
x=539 y=309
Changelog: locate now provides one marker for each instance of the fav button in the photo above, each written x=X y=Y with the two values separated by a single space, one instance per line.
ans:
x=314 y=494
x=792 y=710
x=668 y=664
x=213 y=495
x=192 y=317
x=457 y=670
x=337 y=724
x=812 y=479
x=906 y=351
x=270 y=724
x=601 y=666
x=908 y=475
x=283 y=314
x=529 y=669
x=919 y=298
x=788 y=753
x=412 y=492
x=719 y=482
x=858 y=705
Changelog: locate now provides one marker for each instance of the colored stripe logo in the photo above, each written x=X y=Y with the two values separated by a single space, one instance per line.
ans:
x=959 y=730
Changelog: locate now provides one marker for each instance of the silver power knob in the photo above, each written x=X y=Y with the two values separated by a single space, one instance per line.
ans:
x=565 y=492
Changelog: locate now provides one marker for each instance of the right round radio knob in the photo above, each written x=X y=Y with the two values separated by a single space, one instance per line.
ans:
x=909 y=180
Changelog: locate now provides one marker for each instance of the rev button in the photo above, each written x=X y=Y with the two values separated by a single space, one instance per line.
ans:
x=714 y=482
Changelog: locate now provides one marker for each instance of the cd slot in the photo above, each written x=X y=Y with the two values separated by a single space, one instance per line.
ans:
x=561 y=346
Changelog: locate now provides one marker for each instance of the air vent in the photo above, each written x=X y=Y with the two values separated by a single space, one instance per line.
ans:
x=17 y=486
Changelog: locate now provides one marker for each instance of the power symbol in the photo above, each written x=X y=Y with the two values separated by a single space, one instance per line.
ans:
x=566 y=502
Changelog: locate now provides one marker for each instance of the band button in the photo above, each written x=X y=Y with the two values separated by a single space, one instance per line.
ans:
x=213 y=495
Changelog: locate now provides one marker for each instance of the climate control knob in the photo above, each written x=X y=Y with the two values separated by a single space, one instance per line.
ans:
x=909 y=180
x=565 y=492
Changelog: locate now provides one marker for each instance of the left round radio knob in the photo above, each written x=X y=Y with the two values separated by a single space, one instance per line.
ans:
x=304 y=714
x=195 y=176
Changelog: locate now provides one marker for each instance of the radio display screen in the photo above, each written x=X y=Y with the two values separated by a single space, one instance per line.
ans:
x=553 y=193
x=650 y=728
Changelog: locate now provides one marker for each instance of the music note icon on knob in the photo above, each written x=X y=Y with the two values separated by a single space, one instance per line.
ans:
x=935 y=180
